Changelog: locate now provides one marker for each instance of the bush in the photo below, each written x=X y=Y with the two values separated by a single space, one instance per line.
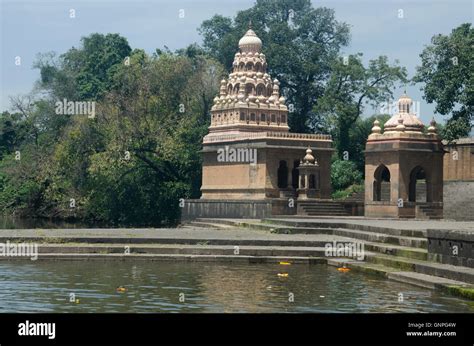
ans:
x=344 y=173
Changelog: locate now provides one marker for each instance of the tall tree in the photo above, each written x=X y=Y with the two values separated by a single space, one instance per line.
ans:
x=352 y=86
x=447 y=71
x=299 y=41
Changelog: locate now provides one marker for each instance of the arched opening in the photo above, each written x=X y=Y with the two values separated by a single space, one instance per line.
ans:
x=381 y=184
x=249 y=66
x=249 y=89
x=417 y=190
x=241 y=66
x=260 y=90
x=312 y=181
x=282 y=175
x=263 y=117
x=252 y=117
x=295 y=174
x=258 y=67
x=236 y=88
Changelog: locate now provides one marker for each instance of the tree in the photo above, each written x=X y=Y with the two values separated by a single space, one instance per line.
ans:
x=447 y=72
x=299 y=41
x=129 y=165
x=350 y=87
x=83 y=73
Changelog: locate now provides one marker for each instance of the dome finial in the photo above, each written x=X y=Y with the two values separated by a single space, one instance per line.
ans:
x=376 y=129
x=309 y=158
x=432 y=127
x=250 y=24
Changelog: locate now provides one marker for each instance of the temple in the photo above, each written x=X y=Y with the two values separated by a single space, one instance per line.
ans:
x=249 y=118
x=404 y=167
x=250 y=114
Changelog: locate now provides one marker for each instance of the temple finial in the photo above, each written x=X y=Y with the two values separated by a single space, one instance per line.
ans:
x=250 y=24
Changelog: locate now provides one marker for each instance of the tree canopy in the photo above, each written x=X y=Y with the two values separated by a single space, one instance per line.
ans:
x=447 y=72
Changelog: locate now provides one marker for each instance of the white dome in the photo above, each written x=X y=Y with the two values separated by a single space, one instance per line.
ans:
x=250 y=42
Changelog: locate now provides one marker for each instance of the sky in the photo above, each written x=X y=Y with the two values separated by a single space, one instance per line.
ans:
x=36 y=26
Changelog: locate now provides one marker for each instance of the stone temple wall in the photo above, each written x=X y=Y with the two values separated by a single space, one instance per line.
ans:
x=458 y=192
x=458 y=200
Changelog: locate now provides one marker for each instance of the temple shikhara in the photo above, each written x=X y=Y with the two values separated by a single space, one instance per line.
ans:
x=250 y=114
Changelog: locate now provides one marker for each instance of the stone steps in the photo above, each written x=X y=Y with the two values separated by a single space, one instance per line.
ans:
x=345 y=225
x=180 y=249
x=423 y=280
x=202 y=224
x=178 y=257
x=387 y=252
x=457 y=273
x=383 y=238
x=396 y=245
x=322 y=208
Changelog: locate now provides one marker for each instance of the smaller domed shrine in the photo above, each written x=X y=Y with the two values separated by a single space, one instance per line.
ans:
x=404 y=167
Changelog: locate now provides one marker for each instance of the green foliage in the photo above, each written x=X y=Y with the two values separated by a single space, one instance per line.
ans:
x=343 y=174
x=358 y=135
x=299 y=41
x=349 y=88
x=129 y=165
x=348 y=192
x=447 y=72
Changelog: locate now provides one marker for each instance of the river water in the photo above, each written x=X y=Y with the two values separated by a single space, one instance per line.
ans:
x=46 y=286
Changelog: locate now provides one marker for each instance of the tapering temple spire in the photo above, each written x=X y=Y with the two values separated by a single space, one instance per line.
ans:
x=249 y=98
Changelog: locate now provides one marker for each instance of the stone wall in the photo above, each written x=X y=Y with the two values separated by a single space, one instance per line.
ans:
x=459 y=200
x=238 y=209
x=459 y=160
x=458 y=194
x=451 y=247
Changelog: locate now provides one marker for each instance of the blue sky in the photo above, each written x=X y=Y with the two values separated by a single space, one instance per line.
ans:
x=30 y=27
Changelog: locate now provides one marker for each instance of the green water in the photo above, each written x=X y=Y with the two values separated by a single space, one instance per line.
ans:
x=206 y=287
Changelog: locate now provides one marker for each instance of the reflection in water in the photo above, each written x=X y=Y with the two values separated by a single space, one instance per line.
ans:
x=207 y=287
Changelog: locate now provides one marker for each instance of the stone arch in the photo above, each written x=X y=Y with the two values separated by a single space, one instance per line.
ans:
x=249 y=89
x=241 y=66
x=259 y=67
x=381 y=185
x=260 y=89
x=249 y=66
x=418 y=186
x=236 y=88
